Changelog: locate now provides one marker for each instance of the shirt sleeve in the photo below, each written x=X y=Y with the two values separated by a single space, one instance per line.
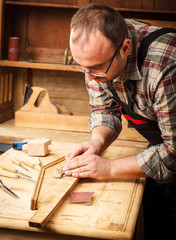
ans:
x=104 y=110
x=159 y=161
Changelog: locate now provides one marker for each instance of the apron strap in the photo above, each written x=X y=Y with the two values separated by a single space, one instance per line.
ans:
x=142 y=52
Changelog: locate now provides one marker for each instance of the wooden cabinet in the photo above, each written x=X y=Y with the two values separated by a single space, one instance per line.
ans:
x=43 y=29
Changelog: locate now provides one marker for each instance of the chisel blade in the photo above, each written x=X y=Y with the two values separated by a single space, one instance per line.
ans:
x=8 y=190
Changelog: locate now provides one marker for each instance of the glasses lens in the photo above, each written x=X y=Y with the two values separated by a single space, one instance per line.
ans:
x=98 y=74
x=79 y=68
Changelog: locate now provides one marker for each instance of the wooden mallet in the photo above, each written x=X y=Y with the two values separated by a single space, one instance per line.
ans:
x=36 y=147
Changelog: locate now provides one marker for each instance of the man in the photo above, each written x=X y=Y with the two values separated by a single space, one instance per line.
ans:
x=143 y=89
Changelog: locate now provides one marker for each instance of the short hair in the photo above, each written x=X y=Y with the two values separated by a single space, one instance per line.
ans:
x=102 y=17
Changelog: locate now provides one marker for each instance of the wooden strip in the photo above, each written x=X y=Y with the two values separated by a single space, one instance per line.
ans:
x=35 y=195
x=53 y=192
x=46 y=211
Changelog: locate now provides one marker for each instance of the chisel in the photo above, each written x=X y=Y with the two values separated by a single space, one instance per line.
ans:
x=17 y=162
x=10 y=169
x=8 y=190
x=17 y=176
x=25 y=162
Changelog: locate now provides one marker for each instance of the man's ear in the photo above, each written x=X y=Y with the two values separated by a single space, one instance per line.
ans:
x=125 y=48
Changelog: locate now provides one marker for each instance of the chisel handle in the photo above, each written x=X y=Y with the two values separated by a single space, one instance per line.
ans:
x=38 y=161
x=7 y=175
x=8 y=168
x=15 y=161
x=26 y=163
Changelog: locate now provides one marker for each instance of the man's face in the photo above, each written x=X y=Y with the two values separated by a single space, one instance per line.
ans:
x=94 y=53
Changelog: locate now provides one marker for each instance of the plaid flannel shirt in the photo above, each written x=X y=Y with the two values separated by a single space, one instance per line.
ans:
x=155 y=97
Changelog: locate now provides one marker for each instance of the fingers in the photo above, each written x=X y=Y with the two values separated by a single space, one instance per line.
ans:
x=81 y=175
x=88 y=165
x=74 y=163
x=78 y=167
x=81 y=172
x=73 y=153
x=81 y=148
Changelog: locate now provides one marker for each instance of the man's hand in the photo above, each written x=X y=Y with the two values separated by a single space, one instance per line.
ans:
x=88 y=165
x=84 y=160
x=85 y=147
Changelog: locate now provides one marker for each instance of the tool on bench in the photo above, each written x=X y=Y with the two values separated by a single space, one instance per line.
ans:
x=59 y=173
x=29 y=164
x=35 y=147
x=10 y=169
x=18 y=145
x=17 y=176
x=28 y=90
x=17 y=162
x=38 y=162
x=8 y=190
x=62 y=175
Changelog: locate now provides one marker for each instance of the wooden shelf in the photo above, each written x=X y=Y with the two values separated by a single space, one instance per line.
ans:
x=37 y=4
x=34 y=65
x=24 y=3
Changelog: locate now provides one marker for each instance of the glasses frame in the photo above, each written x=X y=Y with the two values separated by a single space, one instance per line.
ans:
x=107 y=68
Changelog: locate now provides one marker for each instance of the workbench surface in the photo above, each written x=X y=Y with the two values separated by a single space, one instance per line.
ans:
x=112 y=214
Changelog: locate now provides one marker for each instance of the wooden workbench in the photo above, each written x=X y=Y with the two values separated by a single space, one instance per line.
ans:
x=112 y=215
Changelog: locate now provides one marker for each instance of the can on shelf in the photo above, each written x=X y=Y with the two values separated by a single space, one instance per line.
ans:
x=13 y=52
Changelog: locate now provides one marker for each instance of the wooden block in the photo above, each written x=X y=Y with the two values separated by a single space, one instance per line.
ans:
x=38 y=147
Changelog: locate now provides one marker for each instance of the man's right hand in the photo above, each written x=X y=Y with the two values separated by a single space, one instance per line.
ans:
x=85 y=147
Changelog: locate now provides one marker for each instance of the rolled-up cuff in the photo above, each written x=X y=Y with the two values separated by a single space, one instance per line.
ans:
x=150 y=162
x=108 y=120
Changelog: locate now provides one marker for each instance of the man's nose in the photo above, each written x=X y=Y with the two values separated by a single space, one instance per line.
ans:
x=89 y=76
